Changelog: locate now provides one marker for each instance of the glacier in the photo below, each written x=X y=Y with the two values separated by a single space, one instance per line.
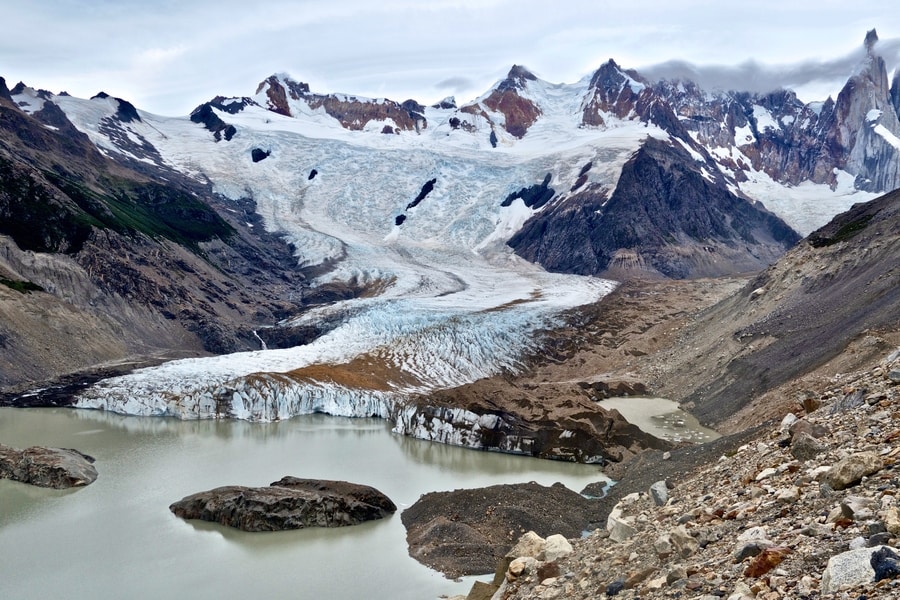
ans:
x=454 y=303
x=451 y=302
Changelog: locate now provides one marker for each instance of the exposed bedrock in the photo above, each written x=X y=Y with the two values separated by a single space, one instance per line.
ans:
x=58 y=468
x=289 y=503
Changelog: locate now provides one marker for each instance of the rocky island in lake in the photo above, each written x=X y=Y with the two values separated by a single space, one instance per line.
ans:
x=289 y=503
x=58 y=468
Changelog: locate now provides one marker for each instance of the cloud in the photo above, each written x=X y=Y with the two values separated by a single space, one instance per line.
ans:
x=454 y=84
x=753 y=76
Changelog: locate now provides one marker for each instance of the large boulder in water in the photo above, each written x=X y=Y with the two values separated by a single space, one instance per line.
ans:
x=58 y=468
x=290 y=503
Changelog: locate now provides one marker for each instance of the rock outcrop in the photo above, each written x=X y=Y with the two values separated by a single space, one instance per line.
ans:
x=289 y=503
x=283 y=95
x=669 y=211
x=507 y=106
x=58 y=468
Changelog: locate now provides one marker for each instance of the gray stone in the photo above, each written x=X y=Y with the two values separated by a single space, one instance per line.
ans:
x=555 y=547
x=618 y=526
x=788 y=420
x=851 y=470
x=530 y=544
x=858 y=508
x=894 y=375
x=659 y=491
x=806 y=447
x=685 y=544
x=750 y=549
x=676 y=574
x=663 y=546
x=58 y=468
x=849 y=569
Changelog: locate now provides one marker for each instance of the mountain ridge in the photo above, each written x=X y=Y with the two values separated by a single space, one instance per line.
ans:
x=650 y=187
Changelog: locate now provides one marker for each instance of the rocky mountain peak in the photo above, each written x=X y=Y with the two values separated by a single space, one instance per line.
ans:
x=616 y=92
x=864 y=129
x=608 y=77
x=4 y=91
x=518 y=112
x=447 y=103
x=871 y=40
x=516 y=78
x=283 y=95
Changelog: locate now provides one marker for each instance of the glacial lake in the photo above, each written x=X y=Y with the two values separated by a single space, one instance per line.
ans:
x=117 y=539
x=662 y=418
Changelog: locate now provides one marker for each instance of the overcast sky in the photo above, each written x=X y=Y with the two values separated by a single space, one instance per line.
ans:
x=168 y=56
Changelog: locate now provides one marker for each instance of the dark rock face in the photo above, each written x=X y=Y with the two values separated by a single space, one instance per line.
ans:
x=205 y=115
x=4 y=91
x=534 y=196
x=467 y=532
x=426 y=189
x=290 y=503
x=667 y=212
x=448 y=103
x=58 y=468
x=258 y=154
x=126 y=111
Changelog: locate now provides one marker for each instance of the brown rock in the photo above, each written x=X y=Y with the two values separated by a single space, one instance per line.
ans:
x=814 y=430
x=47 y=467
x=767 y=560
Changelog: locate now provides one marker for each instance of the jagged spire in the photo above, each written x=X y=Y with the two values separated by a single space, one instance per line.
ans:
x=871 y=40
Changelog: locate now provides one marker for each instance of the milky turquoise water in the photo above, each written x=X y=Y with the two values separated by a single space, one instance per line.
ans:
x=117 y=539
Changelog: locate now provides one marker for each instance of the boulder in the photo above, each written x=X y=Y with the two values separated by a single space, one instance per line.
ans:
x=290 y=503
x=659 y=491
x=555 y=547
x=849 y=471
x=58 y=468
x=851 y=568
x=805 y=447
x=685 y=545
